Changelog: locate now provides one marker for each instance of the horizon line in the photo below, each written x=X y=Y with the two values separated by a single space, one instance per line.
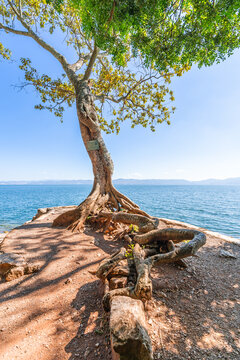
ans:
x=122 y=178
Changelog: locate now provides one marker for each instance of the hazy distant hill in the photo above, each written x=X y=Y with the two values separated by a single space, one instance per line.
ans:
x=230 y=181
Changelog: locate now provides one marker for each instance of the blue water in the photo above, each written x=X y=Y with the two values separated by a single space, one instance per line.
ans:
x=216 y=208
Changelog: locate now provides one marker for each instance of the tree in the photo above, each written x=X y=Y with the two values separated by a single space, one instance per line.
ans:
x=127 y=52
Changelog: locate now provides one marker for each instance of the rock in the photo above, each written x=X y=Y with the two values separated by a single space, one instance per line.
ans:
x=13 y=266
x=2 y=237
x=161 y=294
x=19 y=271
x=86 y=353
x=9 y=261
x=29 y=269
x=129 y=336
x=40 y=212
x=227 y=254
x=68 y=281
x=14 y=273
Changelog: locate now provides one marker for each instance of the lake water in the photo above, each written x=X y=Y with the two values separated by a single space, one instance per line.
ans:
x=216 y=208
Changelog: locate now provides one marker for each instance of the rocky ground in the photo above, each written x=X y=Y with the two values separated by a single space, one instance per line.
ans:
x=56 y=313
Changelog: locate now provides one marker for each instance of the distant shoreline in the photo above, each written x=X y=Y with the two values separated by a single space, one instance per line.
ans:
x=229 y=181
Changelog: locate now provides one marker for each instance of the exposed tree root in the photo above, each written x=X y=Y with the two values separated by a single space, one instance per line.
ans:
x=143 y=223
x=143 y=287
x=107 y=265
x=145 y=259
x=74 y=219
x=105 y=204
x=112 y=208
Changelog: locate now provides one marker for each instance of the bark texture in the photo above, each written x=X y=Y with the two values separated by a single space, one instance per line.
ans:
x=125 y=293
x=103 y=197
x=144 y=259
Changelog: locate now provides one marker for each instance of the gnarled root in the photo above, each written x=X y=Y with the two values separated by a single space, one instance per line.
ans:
x=198 y=239
x=144 y=260
x=144 y=223
x=176 y=235
x=104 y=203
x=143 y=287
x=75 y=219
x=107 y=265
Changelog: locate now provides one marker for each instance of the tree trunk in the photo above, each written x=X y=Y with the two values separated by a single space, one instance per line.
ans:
x=103 y=195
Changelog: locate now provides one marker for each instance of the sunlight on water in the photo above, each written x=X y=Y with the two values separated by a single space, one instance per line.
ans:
x=216 y=208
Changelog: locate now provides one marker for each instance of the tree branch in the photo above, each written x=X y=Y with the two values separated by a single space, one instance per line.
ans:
x=70 y=73
x=14 y=31
x=111 y=98
x=124 y=97
x=78 y=64
x=91 y=63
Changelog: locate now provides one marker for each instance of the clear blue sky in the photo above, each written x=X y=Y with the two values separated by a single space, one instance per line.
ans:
x=203 y=140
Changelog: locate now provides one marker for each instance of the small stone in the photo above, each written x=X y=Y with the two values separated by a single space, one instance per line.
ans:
x=161 y=293
x=68 y=281
x=227 y=254
x=87 y=352
x=40 y=212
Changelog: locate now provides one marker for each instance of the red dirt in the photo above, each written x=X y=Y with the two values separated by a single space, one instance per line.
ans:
x=56 y=314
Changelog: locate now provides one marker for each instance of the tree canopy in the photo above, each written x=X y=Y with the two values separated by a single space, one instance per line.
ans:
x=138 y=47
x=164 y=32
x=127 y=91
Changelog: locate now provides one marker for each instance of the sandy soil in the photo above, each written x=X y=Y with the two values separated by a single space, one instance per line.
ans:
x=56 y=314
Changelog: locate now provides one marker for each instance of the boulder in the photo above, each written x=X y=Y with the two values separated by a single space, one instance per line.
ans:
x=129 y=335
x=9 y=261
x=40 y=212
x=17 y=272
x=13 y=266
